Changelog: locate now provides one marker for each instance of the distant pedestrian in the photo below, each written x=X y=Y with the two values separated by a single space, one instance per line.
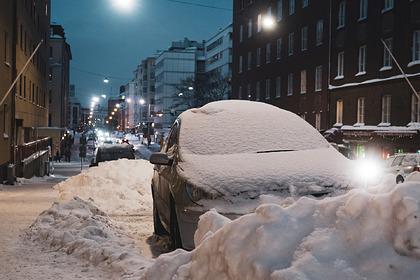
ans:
x=149 y=140
x=57 y=156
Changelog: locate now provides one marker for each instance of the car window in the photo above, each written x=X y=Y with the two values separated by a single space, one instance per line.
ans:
x=410 y=160
x=397 y=161
x=389 y=161
x=173 y=138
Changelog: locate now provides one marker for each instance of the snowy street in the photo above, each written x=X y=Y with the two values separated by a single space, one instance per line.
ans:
x=22 y=259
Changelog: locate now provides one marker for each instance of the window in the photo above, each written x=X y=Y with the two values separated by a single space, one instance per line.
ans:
x=259 y=23
x=24 y=86
x=268 y=53
x=303 y=81
x=339 y=112
x=386 y=109
x=258 y=57
x=388 y=5
x=340 y=66
x=387 y=55
x=318 y=78
x=250 y=28
x=304 y=38
x=241 y=33
x=415 y=109
x=248 y=91
x=240 y=93
x=362 y=60
x=341 y=14
x=318 y=121
x=305 y=3
x=249 y=61
x=363 y=9
x=361 y=110
x=241 y=62
x=291 y=43
x=291 y=7
x=6 y=48
x=257 y=91
x=278 y=87
x=267 y=89
x=279 y=48
x=416 y=46
x=290 y=84
x=319 y=32
x=279 y=10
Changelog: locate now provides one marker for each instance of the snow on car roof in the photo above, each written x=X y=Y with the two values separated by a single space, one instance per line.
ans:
x=237 y=126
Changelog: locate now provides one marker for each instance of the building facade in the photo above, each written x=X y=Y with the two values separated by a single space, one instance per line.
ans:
x=6 y=79
x=218 y=52
x=24 y=26
x=326 y=62
x=285 y=62
x=184 y=59
x=59 y=78
x=370 y=98
x=145 y=86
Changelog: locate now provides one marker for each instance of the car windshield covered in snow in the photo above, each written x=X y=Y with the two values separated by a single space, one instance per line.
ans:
x=214 y=129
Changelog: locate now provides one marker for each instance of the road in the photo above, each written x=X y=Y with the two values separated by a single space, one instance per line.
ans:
x=21 y=259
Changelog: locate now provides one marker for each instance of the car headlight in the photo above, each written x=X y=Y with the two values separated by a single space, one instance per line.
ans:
x=194 y=193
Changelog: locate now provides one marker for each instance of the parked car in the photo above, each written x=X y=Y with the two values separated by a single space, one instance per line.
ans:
x=401 y=165
x=109 y=152
x=233 y=155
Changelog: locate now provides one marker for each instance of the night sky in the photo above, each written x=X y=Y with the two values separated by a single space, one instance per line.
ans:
x=111 y=42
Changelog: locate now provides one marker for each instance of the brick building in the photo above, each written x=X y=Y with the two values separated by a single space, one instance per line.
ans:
x=325 y=61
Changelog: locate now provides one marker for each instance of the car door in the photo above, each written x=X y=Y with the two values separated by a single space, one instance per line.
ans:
x=167 y=175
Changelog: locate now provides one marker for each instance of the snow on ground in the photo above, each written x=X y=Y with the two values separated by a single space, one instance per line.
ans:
x=116 y=187
x=79 y=228
x=359 y=235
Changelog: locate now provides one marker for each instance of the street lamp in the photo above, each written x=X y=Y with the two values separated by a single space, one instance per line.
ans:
x=180 y=94
x=141 y=101
x=106 y=80
x=190 y=88
x=268 y=22
x=103 y=96
x=95 y=99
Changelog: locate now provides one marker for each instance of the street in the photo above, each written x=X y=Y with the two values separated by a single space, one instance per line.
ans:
x=22 y=259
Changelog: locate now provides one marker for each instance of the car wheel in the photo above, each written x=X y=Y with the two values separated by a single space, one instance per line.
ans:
x=174 y=227
x=400 y=179
x=157 y=224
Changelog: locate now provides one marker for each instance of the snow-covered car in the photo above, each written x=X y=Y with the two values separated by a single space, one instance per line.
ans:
x=109 y=152
x=234 y=155
x=401 y=165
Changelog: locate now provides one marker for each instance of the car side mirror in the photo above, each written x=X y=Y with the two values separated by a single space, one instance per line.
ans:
x=160 y=159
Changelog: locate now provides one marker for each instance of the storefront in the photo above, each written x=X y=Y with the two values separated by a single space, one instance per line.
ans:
x=375 y=141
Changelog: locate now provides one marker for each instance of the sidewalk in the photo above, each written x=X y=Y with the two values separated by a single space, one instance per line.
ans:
x=19 y=206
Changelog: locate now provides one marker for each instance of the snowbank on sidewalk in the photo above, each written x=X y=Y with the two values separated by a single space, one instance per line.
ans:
x=116 y=187
x=79 y=228
x=360 y=235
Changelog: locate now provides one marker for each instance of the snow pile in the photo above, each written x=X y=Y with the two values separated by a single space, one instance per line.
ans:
x=360 y=235
x=116 y=187
x=79 y=228
x=219 y=127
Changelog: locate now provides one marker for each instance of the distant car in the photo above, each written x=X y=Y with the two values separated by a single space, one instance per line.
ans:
x=401 y=165
x=108 y=152
x=229 y=155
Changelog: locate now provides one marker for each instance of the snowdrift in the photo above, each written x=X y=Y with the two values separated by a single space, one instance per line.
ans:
x=79 y=228
x=360 y=235
x=116 y=187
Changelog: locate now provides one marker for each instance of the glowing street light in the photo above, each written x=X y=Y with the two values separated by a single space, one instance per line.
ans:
x=268 y=22
x=95 y=99
x=128 y=100
x=141 y=101
x=117 y=105
x=190 y=88
x=180 y=94
x=112 y=113
x=103 y=96
x=124 y=5
x=106 y=80
x=115 y=109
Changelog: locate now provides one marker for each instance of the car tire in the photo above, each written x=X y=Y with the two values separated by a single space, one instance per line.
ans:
x=176 y=241
x=400 y=180
x=157 y=224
